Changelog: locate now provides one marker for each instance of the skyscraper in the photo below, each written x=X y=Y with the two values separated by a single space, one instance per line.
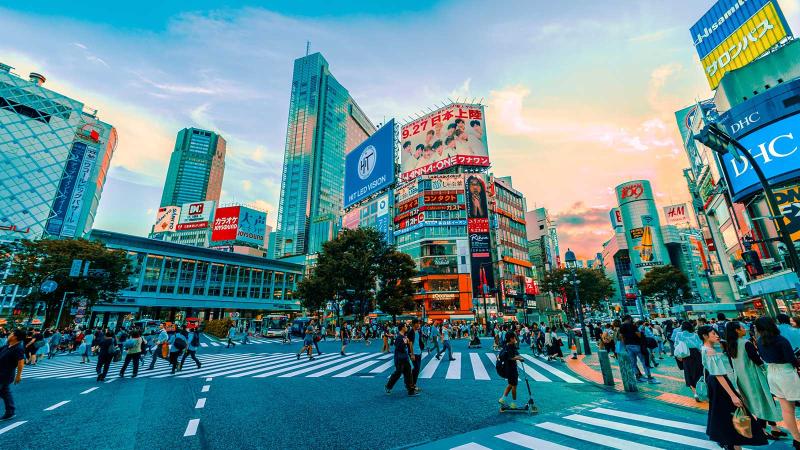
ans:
x=196 y=168
x=54 y=157
x=324 y=123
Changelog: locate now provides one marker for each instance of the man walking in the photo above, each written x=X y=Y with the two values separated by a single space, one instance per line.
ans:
x=12 y=359
x=55 y=341
x=162 y=339
x=231 y=335
x=402 y=363
x=416 y=346
x=633 y=340
x=434 y=339
x=194 y=344
x=446 y=344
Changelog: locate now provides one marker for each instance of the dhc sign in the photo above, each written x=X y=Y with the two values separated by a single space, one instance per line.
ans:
x=775 y=149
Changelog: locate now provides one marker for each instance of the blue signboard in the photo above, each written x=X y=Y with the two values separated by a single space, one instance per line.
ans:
x=369 y=167
x=721 y=21
x=775 y=148
x=252 y=226
x=68 y=179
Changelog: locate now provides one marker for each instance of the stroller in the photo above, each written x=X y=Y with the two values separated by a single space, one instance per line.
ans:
x=474 y=342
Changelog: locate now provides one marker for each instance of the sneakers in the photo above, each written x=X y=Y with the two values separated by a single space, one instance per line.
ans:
x=298 y=356
x=413 y=393
x=388 y=391
x=639 y=379
x=417 y=388
x=652 y=380
x=8 y=416
x=513 y=405
x=502 y=401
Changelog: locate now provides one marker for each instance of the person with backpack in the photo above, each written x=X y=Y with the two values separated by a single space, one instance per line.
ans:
x=231 y=336
x=160 y=341
x=133 y=349
x=180 y=342
x=402 y=363
x=194 y=344
x=106 y=349
x=506 y=367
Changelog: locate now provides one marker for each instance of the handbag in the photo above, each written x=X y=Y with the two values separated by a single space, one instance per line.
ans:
x=742 y=423
x=681 y=350
x=165 y=350
x=702 y=389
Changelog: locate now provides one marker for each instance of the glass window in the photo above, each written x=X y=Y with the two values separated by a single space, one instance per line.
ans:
x=244 y=282
x=267 y=291
x=170 y=275
x=152 y=273
x=230 y=280
x=215 y=279
x=255 y=283
x=137 y=262
x=201 y=278
x=186 y=276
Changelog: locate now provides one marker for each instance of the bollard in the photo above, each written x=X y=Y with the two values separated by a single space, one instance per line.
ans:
x=605 y=368
x=626 y=372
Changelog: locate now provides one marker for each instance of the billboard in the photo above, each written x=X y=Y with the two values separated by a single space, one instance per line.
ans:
x=226 y=222
x=640 y=218
x=195 y=215
x=369 y=167
x=167 y=219
x=735 y=32
x=775 y=148
x=450 y=182
x=252 y=226
x=77 y=201
x=789 y=204
x=478 y=231
x=450 y=136
x=616 y=219
x=676 y=214
x=66 y=187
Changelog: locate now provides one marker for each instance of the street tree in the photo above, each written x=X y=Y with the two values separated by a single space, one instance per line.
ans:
x=593 y=288
x=33 y=262
x=396 y=293
x=666 y=282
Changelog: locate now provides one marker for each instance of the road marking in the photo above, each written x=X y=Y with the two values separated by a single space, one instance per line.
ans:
x=330 y=362
x=209 y=378
x=233 y=367
x=191 y=428
x=533 y=373
x=205 y=388
x=641 y=431
x=214 y=344
x=281 y=368
x=653 y=420
x=201 y=403
x=477 y=367
x=57 y=405
x=471 y=446
x=596 y=438
x=383 y=367
x=203 y=344
x=112 y=380
x=355 y=369
x=341 y=366
x=564 y=376
x=268 y=367
x=430 y=368
x=90 y=390
x=523 y=440
x=12 y=426
x=454 y=369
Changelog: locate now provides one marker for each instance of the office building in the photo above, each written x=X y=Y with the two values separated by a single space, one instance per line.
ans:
x=196 y=168
x=324 y=123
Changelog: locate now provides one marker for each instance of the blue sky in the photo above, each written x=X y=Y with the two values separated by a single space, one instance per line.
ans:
x=580 y=94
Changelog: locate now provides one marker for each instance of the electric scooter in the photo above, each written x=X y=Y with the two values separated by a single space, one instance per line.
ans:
x=529 y=406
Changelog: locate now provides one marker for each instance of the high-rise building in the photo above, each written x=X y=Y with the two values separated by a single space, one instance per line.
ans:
x=324 y=123
x=196 y=168
x=54 y=157
x=513 y=261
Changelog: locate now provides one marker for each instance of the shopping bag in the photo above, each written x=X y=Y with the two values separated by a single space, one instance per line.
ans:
x=702 y=389
x=741 y=422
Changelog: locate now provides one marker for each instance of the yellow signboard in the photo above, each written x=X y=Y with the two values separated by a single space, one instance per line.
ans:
x=763 y=30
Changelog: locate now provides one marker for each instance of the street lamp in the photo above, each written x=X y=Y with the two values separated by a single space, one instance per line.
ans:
x=717 y=140
x=485 y=293
x=572 y=264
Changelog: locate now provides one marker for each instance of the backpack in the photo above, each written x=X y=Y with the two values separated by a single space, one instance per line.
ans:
x=196 y=340
x=180 y=344
x=129 y=344
x=500 y=364
x=651 y=343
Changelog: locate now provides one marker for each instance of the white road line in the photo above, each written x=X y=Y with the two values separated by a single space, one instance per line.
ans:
x=383 y=367
x=268 y=368
x=214 y=344
x=641 y=431
x=191 y=428
x=338 y=367
x=205 y=388
x=564 y=376
x=430 y=368
x=203 y=344
x=217 y=363
x=12 y=426
x=344 y=363
x=454 y=369
x=90 y=390
x=232 y=367
x=595 y=438
x=653 y=420
x=209 y=379
x=523 y=440
x=477 y=367
x=57 y=405
x=355 y=369
x=201 y=403
x=471 y=446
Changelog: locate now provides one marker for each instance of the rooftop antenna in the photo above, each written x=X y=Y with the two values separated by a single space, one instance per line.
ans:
x=308 y=47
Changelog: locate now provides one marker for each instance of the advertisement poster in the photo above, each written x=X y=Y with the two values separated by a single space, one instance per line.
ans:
x=75 y=208
x=616 y=218
x=450 y=182
x=65 y=188
x=196 y=215
x=677 y=214
x=640 y=219
x=369 y=167
x=167 y=219
x=252 y=226
x=530 y=286
x=452 y=135
x=478 y=230
x=226 y=222
x=789 y=205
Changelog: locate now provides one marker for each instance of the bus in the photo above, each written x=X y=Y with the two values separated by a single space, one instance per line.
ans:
x=273 y=325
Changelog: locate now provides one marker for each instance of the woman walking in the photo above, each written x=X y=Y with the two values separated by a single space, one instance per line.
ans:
x=107 y=348
x=782 y=377
x=750 y=377
x=133 y=346
x=345 y=338
x=723 y=399
x=691 y=364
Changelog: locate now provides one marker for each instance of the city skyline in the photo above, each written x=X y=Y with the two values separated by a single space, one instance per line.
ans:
x=548 y=116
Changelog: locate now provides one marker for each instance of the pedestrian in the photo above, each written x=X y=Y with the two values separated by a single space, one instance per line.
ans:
x=317 y=338
x=133 y=349
x=749 y=377
x=246 y=336
x=402 y=363
x=782 y=367
x=43 y=346
x=416 y=346
x=178 y=345
x=688 y=356
x=308 y=343
x=231 y=335
x=55 y=342
x=385 y=348
x=191 y=350
x=106 y=349
x=789 y=332
x=572 y=343
x=86 y=347
x=345 y=332
x=607 y=340
x=445 y=344
x=509 y=356
x=633 y=340
x=434 y=339
x=12 y=361
x=723 y=399
x=161 y=341
x=287 y=334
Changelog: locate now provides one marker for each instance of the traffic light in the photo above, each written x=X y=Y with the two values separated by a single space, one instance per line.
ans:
x=753 y=263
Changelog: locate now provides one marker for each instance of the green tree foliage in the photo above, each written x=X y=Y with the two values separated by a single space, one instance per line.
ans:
x=396 y=293
x=665 y=281
x=593 y=288
x=32 y=262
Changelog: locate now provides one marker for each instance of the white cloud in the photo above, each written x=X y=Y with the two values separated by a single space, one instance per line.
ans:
x=247 y=185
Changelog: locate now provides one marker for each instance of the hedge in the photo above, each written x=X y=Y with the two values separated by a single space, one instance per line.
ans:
x=218 y=328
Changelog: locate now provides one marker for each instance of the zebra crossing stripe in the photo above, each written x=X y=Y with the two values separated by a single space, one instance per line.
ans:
x=233 y=366
x=341 y=366
x=454 y=369
x=471 y=446
x=214 y=344
x=534 y=374
x=477 y=367
x=356 y=369
x=523 y=440
x=653 y=420
x=641 y=431
x=203 y=344
x=595 y=438
x=564 y=376
x=383 y=367
x=264 y=366
x=166 y=371
x=281 y=368
x=430 y=368
x=316 y=365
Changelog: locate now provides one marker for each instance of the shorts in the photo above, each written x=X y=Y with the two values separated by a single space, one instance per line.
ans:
x=513 y=376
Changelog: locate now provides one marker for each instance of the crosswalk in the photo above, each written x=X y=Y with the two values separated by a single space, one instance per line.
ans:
x=590 y=428
x=207 y=342
x=467 y=365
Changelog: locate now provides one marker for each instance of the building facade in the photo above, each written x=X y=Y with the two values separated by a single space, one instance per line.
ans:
x=324 y=122
x=196 y=168
x=54 y=155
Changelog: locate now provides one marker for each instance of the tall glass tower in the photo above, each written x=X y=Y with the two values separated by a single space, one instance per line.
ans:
x=54 y=157
x=324 y=124
x=196 y=168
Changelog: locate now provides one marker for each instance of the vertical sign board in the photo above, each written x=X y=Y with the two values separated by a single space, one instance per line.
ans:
x=226 y=223
x=616 y=219
x=789 y=204
x=76 y=203
x=478 y=231
x=65 y=189
x=252 y=226
x=369 y=167
x=382 y=222
x=642 y=227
